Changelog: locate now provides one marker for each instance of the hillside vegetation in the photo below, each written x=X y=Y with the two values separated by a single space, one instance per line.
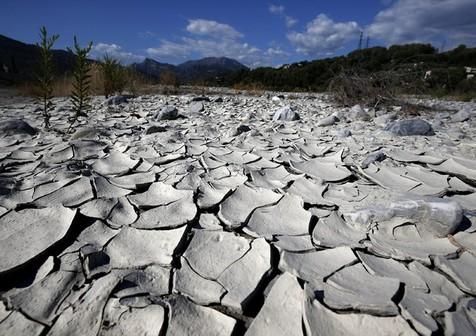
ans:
x=409 y=62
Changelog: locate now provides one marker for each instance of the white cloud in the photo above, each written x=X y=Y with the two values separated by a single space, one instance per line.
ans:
x=170 y=49
x=276 y=9
x=280 y=11
x=323 y=36
x=212 y=28
x=216 y=39
x=426 y=21
x=101 y=49
x=290 y=21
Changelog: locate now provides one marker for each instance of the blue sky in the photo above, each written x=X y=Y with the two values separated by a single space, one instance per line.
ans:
x=254 y=32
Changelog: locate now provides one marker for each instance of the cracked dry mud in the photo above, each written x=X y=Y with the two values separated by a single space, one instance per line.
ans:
x=226 y=218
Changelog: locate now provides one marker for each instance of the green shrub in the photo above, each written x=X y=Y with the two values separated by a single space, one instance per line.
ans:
x=114 y=76
x=46 y=74
x=81 y=81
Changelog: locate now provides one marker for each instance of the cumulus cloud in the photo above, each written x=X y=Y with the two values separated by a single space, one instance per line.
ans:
x=115 y=51
x=210 y=38
x=323 y=36
x=212 y=28
x=279 y=10
x=426 y=21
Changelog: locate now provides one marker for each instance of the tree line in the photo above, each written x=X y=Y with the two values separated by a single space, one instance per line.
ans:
x=413 y=60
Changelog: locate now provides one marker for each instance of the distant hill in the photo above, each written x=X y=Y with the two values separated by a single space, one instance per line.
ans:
x=202 y=70
x=151 y=69
x=19 y=61
x=447 y=68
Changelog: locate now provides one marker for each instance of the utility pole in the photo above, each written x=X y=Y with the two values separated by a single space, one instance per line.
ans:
x=360 y=39
x=367 y=43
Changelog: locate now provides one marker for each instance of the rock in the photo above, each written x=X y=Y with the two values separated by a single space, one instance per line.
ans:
x=286 y=113
x=461 y=116
x=281 y=313
x=328 y=121
x=197 y=107
x=344 y=133
x=117 y=100
x=89 y=133
x=200 y=99
x=187 y=318
x=167 y=113
x=16 y=127
x=156 y=129
x=358 y=113
x=242 y=129
x=385 y=119
x=410 y=127
x=372 y=158
x=27 y=233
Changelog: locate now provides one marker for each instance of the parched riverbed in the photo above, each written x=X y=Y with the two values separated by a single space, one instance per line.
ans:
x=232 y=214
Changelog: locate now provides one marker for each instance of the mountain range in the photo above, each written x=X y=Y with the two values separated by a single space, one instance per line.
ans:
x=209 y=68
x=19 y=63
